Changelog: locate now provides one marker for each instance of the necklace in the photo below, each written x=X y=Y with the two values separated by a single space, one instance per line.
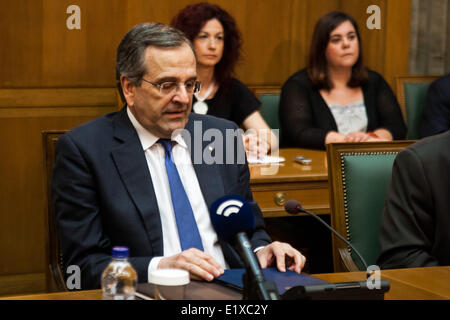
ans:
x=201 y=106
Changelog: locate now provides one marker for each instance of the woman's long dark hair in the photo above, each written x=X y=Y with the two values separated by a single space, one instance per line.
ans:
x=191 y=20
x=317 y=63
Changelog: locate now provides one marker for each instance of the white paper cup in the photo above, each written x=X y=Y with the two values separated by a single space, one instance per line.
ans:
x=170 y=284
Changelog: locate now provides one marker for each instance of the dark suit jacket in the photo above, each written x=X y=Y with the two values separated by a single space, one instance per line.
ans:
x=305 y=118
x=103 y=194
x=415 y=230
x=436 y=115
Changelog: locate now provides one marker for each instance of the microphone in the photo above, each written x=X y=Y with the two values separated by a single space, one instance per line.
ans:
x=294 y=207
x=232 y=217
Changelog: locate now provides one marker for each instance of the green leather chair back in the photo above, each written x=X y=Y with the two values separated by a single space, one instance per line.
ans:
x=358 y=175
x=415 y=101
x=367 y=177
x=269 y=109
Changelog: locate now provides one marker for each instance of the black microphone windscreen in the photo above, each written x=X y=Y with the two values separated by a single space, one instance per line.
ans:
x=292 y=206
x=230 y=215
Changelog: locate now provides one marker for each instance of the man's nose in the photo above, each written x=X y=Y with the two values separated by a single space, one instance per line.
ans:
x=181 y=95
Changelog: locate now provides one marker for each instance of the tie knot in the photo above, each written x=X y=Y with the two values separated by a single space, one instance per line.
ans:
x=167 y=144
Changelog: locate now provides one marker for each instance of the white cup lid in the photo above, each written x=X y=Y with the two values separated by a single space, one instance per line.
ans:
x=169 y=277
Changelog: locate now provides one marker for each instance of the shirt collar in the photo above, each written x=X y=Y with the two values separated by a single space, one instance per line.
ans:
x=147 y=138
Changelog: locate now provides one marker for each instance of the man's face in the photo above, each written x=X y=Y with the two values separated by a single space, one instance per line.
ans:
x=162 y=113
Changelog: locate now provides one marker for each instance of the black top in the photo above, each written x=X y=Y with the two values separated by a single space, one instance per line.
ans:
x=436 y=115
x=305 y=118
x=416 y=219
x=234 y=103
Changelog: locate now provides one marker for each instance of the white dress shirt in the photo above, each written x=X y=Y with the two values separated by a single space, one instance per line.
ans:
x=154 y=153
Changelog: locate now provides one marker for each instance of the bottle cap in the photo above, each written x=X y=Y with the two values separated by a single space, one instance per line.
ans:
x=120 y=252
x=169 y=277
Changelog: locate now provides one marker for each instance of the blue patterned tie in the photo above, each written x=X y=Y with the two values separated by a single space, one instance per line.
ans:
x=187 y=227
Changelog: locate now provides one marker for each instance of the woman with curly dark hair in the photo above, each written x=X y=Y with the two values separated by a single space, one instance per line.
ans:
x=336 y=98
x=217 y=43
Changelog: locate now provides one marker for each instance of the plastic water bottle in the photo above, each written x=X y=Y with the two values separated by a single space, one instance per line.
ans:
x=119 y=280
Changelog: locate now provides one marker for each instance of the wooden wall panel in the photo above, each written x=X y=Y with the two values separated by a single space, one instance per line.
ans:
x=41 y=51
x=52 y=78
x=396 y=48
x=272 y=44
x=21 y=49
x=24 y=114
x=84 y=57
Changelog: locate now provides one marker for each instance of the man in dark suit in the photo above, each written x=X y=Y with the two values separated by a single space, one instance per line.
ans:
x=415 y=230
x=436 y=115
x=110 y=185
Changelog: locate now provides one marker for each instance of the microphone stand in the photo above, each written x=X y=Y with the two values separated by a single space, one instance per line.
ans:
x=255 y=286
x=336 y=233
x=257 y=290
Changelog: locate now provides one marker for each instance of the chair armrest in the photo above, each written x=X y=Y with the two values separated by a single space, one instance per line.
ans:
x=347 y=260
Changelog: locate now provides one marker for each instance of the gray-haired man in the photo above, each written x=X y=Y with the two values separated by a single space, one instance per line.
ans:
x=111 y=182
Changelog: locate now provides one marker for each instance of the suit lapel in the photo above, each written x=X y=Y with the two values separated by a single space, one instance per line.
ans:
x=131 y=164
x=208 y=175
x=210 y=180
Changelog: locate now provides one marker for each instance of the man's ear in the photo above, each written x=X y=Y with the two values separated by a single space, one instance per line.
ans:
x=129 y=90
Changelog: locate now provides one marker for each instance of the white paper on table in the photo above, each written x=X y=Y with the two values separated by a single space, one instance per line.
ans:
x=266 y=160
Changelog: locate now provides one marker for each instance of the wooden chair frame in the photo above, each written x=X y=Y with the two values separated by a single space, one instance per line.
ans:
x=342 y=260
x=55 y=278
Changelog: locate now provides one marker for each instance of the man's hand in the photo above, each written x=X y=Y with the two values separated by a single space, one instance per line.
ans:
x=283 y=254
x=199 y=264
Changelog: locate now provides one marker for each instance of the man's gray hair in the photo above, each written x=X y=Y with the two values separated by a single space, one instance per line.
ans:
x=130 y=59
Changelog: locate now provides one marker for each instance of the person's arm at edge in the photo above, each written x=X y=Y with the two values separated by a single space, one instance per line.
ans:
x=407 y=219
x=391 y=123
